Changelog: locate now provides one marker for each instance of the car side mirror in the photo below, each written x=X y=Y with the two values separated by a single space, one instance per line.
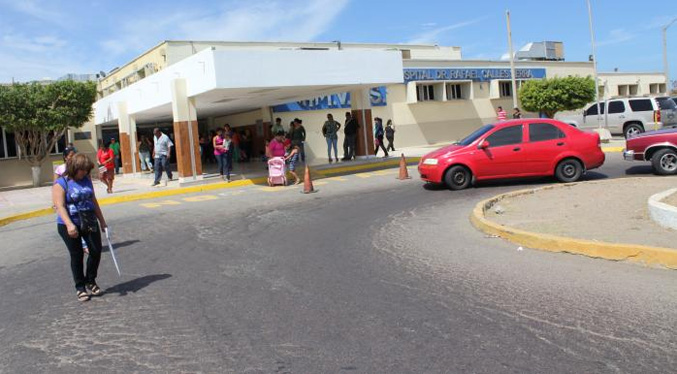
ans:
x=483 y=145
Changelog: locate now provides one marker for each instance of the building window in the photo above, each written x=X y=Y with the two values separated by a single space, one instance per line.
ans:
x=8 y=148
x=454 y=91
x=633 y=89
x=505 y=89
x=425 y=92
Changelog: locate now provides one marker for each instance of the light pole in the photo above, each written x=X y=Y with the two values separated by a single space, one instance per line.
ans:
x=666 y=68
x=594 y=65
x=512 y=61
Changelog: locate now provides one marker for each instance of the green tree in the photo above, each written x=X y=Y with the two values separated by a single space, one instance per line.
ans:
x=556 y=94
x=39 y=115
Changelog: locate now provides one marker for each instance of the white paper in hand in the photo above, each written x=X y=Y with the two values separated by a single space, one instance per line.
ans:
x=112 y=252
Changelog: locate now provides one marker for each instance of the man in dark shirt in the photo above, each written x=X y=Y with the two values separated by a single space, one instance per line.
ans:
x=298 y=137
x=350 y=139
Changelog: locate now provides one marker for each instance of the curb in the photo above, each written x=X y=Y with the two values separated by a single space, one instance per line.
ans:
x=612 y=149
x=321 y=173
x=662 y=213
x=610 y=251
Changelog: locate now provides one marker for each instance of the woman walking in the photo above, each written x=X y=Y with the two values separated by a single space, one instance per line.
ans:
x=390 y=135
x=144 y=154
x=106 y=158
x=60 y=171
x=378 y=135
x=79 y=218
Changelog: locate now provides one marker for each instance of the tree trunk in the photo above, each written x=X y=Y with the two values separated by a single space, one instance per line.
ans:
x=36 y=175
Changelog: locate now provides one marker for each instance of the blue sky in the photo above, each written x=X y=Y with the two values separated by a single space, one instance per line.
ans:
x=49 y=38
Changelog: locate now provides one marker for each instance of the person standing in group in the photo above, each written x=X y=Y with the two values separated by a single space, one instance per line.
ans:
x=516 y=114
x=350 y=140
x=144 y=154
x=60 y=171
x=221 y=154
x=378 y=136
x=298 y=138
x=390 y=135
x=228 y=136
x=77 y=214
x=115 y=146
x=106 y=159
x=277 y=128
x=162 y=146
x=235 y=146
x=330 y=131
x=501 y=114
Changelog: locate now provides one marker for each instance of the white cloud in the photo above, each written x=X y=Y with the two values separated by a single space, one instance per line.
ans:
x=616 y=36
x=431 y=36
x=40 y=10
x=254 y=21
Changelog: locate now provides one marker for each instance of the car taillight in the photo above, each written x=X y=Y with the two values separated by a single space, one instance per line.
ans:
x=657 y=115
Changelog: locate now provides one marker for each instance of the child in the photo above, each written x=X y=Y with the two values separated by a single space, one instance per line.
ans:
x=293 y=158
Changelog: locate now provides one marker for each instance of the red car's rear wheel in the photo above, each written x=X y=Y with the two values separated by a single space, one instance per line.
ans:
x=569 y=170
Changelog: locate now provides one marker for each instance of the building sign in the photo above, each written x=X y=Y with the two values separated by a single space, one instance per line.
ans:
x=377 y=97
x=478 y=75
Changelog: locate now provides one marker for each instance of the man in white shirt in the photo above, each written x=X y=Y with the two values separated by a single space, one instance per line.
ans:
x=161 y=150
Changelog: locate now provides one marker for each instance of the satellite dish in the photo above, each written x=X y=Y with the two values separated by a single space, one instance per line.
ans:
x=102 y=74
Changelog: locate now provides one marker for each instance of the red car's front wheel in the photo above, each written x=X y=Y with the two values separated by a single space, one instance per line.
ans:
x=457 y=177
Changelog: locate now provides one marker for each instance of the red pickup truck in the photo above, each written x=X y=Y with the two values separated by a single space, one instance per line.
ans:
x=659 y=147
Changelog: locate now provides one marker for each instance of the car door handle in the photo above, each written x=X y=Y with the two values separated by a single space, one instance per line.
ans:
x=560 y=144
x=516 y=149
x=621 y=116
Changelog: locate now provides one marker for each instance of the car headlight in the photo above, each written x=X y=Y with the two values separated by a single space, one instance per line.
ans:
x=430 y=161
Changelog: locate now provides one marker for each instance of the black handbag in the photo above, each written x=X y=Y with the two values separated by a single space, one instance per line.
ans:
x=88 y=221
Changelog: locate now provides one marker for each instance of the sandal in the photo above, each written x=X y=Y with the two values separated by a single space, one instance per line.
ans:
x=94 y=289
x=82 y=296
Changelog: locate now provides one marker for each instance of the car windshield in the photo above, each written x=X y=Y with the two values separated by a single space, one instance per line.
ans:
x=476 y=134
x=666 y=103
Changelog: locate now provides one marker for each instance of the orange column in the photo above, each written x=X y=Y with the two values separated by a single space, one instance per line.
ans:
x=186 y=134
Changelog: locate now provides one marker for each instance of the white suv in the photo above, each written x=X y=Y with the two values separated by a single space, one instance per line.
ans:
x=625 y=116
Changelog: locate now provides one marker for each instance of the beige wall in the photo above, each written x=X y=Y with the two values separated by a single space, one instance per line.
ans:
x=17 y=173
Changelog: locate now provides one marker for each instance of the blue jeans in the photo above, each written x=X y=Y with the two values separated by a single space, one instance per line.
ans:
x=225 y=164
x=332 y=142
x=162 y=163
x=144 y=157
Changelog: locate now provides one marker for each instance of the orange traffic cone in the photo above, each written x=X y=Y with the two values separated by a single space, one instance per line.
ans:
x=307 y=182
x=404 y=173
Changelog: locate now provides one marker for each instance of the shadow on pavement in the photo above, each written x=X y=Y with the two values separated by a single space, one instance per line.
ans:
x=639 y=169
x=119 y=245
x=137 y=284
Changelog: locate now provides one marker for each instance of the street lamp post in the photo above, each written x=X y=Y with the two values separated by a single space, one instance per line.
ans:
x=594 y=65
x=666 y=68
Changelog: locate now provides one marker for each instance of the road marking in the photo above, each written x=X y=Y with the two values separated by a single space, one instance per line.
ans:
x=364 y=175
x=386 y=172
x=197 y=199
x=160 y=203
x=337 y=179
x=320 y=183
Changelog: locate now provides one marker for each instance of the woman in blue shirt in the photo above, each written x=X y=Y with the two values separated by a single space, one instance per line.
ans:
x=77 y=213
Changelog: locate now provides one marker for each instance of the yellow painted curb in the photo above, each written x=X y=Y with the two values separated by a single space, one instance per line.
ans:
x=204 y=188
x=611 y=251
x=612 y=149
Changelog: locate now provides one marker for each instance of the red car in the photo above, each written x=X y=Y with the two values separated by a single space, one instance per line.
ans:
x=532 y=147
x=659 y=147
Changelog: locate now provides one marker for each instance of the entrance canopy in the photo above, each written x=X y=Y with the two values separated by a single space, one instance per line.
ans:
x=225 y=81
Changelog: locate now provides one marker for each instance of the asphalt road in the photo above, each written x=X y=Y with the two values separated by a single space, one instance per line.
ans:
x=369 y=275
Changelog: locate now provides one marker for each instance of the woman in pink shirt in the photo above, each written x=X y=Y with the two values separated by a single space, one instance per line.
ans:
x=276 y=147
